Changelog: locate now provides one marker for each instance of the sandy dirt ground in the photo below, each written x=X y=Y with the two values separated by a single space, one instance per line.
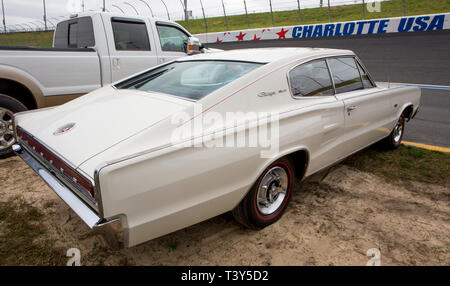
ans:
x=334 y=222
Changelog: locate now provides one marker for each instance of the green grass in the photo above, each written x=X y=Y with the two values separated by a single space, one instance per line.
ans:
x=20 y=228
x=404 y=164
x=319 y=15
x=391 y=8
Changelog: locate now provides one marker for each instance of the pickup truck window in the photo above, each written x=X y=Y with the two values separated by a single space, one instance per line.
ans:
x=367 y=83
x=189 y=79
x=75 y=33
x=130 y=35
x=311 y=79
x=172 y=39
x=345 y=74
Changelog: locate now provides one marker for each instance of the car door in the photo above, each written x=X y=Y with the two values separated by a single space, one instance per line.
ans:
x=321 y=123
x=367 y=108
x=172 y=41
x=131 y=47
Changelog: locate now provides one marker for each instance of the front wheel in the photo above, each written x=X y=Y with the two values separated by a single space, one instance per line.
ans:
x=394 y=139
x=268 y=198
x=8 y=106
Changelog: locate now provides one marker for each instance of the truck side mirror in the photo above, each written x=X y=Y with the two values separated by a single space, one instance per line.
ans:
x=193 y=46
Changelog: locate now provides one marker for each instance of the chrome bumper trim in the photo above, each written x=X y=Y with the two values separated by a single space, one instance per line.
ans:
x=75 y=203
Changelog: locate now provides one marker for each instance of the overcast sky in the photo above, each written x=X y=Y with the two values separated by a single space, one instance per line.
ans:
x=23 y=11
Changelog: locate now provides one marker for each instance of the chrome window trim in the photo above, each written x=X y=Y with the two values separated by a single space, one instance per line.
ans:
x=347 y=56
x=303 y=63
x=372 y=81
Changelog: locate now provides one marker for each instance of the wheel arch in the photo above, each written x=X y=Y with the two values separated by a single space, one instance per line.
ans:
x=407 y=111
x=21 y=86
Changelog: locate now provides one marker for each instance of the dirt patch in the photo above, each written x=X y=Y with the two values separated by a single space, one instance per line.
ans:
x=333 y=222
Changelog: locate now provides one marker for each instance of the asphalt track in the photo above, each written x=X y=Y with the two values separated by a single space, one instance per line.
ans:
x=421 y=58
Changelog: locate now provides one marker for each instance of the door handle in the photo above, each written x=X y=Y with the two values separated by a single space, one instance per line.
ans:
x=116 y=63
x=351 y=108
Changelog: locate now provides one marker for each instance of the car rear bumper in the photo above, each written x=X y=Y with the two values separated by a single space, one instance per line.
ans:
x=89 y=216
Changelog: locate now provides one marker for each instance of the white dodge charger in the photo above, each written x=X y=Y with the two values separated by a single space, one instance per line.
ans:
x=207 y=134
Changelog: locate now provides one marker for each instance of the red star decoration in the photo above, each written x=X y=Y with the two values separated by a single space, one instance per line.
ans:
x=218 y=40
x=256 y=38
x=241 y=36
x=282 y=33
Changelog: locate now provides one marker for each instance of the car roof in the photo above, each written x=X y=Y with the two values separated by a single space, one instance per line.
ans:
x=267 y=55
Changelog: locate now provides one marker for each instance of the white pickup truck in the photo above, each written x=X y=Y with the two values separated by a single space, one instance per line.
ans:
x=89 y=51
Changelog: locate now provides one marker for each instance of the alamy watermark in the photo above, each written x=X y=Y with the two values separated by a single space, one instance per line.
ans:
x=75 y=257
x=375 y=257
x=374 y=7
x=232 y=130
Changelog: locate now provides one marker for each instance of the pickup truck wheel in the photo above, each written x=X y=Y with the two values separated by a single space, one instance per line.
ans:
x=8 y=106
x=394 y=140
x=268 y=198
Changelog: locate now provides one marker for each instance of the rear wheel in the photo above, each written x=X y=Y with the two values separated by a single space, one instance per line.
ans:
x=394 y=139
x=8 y=106
x=268 y=198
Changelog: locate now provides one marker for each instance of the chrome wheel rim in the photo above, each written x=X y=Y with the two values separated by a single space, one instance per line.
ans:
x=6 y=129
x=272 y=190
x=398 y=131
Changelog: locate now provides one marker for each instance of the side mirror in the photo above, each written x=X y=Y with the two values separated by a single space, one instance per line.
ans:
x=193 y=46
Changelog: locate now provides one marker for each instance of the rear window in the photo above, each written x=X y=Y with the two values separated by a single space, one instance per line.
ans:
x=191 y=79
x=75 y=33
x=130 y=35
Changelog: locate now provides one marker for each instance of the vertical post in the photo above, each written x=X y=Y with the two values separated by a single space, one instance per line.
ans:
x=404 y=7
x=364 y=9
x=225 y=15
x=104 y=6
x=186 y=14
x=4 y=21
x=45 y=16
x=329 y=12
x=82 y=5
x=299 y=13
x=271 y=13
x=246 y=14
x=204 y=17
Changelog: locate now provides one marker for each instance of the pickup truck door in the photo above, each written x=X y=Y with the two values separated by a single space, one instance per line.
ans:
x=131 y=46
x=367 y=109
x=171 y=41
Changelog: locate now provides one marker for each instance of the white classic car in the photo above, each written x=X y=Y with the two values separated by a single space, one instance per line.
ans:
x=154 y=150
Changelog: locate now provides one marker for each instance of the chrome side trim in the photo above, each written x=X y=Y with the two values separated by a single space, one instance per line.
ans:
x=75 y=203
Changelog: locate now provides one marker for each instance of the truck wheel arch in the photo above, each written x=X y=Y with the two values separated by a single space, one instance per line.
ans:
x=21 y=86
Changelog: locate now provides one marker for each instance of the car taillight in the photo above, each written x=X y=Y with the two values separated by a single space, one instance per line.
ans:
x=62 y=167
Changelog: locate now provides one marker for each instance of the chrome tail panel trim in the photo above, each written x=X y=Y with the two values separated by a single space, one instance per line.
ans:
x=75 y=203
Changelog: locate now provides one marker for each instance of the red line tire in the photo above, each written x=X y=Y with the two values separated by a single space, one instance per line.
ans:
x=267 y=200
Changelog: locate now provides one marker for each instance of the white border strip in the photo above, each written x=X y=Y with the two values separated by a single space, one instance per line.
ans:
x=431 y=22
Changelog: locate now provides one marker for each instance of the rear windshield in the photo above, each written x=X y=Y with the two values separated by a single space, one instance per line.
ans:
x=191 y=80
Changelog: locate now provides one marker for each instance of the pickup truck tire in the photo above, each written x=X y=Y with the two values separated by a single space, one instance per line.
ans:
x=8 y=106
x=394 y=139
x=267 y=200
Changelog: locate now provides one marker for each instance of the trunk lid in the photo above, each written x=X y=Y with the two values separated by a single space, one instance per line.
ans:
x=89 y=125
